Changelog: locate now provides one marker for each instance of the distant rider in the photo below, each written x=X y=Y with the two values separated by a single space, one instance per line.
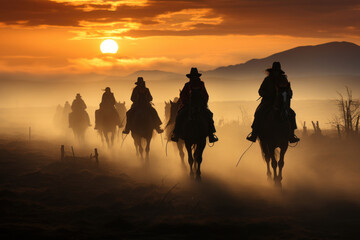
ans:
x=78 y=106
x=141 y=98
x=107 y=104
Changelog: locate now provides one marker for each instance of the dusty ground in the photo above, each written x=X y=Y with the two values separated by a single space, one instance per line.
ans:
x=45 y=198
x=123 y=198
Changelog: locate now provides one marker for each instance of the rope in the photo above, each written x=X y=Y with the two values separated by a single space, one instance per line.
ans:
x=162 y=141
x=244 y=154
x=123 y=139
x=166 y=147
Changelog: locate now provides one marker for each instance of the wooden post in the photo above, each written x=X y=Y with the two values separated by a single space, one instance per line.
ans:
x=338 y=130
x=314 y=126
x=357 y=125
x=318 y=128
x=304 y=129
x=72 y=149
x=62 y=149
x=29 y=134
x=96 y=156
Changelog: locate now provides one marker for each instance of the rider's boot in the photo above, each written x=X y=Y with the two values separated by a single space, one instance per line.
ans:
x=126 y=129
x=213 y=138
x=175 y=137
x=158 y=129
x=252 y=136
x=293 y=138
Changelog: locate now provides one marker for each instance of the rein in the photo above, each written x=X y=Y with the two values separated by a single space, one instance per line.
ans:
x=123 y=139
x=244 y=153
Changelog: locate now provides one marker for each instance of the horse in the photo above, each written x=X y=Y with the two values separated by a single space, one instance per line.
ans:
x=78 y=121
x=106 y=123
x=276 y=135
x=194 y=131
x=142 y=127
x=121 y=109
x=173 y=108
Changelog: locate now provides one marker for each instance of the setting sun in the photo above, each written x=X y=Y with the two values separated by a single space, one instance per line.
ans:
x=109 y=46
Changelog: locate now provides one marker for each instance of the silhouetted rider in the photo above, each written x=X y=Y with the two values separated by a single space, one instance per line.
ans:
x=194 y=85
x=275 y=83
x=107 y=104
x=141 y=98
x=78 y=106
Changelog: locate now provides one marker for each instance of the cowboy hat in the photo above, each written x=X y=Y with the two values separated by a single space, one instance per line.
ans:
x=193 y=73
x=276 y=66
x=140 y=80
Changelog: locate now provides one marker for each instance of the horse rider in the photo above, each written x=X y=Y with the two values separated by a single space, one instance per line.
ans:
x=194 y=83
x=78 y=106
x=141 y=97
x=269 y=90
x=107 y=104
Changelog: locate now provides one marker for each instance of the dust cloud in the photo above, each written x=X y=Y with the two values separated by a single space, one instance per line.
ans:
x=320 y=177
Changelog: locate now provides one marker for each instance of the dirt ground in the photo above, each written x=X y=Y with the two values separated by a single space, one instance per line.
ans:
x=43 y=197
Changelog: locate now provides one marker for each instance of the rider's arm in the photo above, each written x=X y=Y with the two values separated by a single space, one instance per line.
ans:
x=184 y=94
x=134 y=95
x=204 y=92
x=265 y=88
x=290 y=91
x=148 y=95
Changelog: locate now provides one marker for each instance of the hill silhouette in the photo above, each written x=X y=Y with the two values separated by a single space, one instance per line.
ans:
x=333 y=58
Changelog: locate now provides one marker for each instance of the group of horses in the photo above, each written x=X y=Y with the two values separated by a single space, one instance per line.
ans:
x=194 y=131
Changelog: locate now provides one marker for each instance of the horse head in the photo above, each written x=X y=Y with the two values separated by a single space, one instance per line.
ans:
x=282 y=103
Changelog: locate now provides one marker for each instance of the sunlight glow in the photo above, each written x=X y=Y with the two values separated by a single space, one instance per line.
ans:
x=109 y=46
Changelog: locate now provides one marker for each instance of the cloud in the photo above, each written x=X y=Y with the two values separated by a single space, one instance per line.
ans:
x=140 y=18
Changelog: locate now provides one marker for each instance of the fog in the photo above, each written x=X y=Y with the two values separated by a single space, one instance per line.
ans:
x=320 y=176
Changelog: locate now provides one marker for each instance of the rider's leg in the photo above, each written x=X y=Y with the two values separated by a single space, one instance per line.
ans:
x=212 y=130
x=293 y=138
x=178 y=121
x=157 y=121
x=255 y=127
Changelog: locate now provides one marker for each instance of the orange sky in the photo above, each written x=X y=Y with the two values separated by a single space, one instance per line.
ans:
x=63 y=36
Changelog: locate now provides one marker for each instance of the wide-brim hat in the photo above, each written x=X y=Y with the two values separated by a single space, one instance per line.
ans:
x=193 y=73
x=78 y=95
x=140 y=80
x=276 y=66
x=107 y=89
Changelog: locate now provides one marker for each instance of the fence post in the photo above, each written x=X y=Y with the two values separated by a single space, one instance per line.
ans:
x=96 y=156
x=72 y=149
x=62 y=149
x=29 y=134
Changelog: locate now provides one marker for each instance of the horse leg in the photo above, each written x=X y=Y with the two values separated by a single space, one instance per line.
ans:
x=147 y=149
x=141 y=150
x=198 y=157
x=273 y=163
x=113 y=137
x=190 y=158
x=181 y=151
x=267 y=160
x=107 y=139
x=281 y=163
x=136 y=145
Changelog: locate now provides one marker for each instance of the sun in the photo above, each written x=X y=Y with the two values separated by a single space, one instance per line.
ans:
x=109 y=46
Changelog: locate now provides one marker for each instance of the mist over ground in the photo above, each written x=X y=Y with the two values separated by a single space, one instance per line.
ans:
x=44 y=197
